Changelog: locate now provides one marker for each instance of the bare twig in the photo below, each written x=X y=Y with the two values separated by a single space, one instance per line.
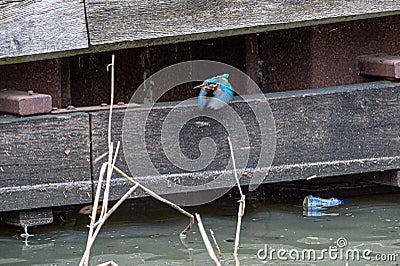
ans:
x=216 y=244
x=112 y=97
x=158 y=197
x=103 y=220
x=234 y=167
x=108 y=180
x=109 y=141
x=116 y=153
x=238 y=225
x=109 y=174
x=91 y=235
x=242 y=205
x=237 y=262
x=95 y=205
x=191 y=256
x=100 y=157
x=206 y=240
x=95 y=227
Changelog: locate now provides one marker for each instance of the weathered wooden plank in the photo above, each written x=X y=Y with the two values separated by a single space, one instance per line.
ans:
x=381 y=25
x=322 y=132
x=134 y=20
x=352 y=130
x=44 y=161
x=30 y=27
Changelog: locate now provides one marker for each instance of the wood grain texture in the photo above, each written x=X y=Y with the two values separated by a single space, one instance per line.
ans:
x=44 y=161
x=319 y=133
x=30 y=27
x=134 y=20
x=353 y=130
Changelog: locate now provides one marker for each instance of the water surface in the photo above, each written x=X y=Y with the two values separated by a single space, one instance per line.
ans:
x=148 y=234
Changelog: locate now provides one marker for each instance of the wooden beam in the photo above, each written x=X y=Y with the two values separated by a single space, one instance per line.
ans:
x=42 y=26
x=44 y=161
x=127 y=21
x=319 y=133
x=130 y=24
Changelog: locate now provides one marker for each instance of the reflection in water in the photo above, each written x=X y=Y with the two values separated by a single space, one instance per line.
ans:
x=26 y=235
x=143 y=234
x=316 y=212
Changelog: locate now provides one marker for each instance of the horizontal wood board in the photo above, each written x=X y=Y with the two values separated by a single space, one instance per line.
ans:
x=44 y=161
x=31 y=27
x=134 y=20
x=44 y=29
x=319 y=133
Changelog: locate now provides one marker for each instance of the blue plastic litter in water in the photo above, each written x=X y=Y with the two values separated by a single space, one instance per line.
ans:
x=316 y=202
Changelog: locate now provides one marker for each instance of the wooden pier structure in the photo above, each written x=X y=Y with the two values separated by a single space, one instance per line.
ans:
x=336 y=113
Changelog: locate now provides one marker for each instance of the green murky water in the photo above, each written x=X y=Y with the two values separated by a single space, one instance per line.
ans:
x=148 y=234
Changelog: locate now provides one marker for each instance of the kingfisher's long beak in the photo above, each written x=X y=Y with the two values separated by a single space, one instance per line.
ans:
x=200 y=86
x=209 y=86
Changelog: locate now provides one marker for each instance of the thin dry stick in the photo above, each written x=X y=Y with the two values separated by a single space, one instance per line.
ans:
x=241 y=204
x=216 y=244
x=108 y=184
x=107 y=190
x=110 y=167
x=191 y=256
x=100 y=157
x=237 y=262
x=103 y=219
x=104 y=214
x=239 y=224
x=108 y=180
x=153 y=194
x=91 y=237
x=110 y=144
x=112 y=97
x=109 y=175
x=95 y=205
x=116 y=153
x=206 y=240
x=234 y=167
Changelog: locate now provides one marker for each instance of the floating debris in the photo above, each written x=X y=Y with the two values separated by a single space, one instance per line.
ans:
x=316 y=202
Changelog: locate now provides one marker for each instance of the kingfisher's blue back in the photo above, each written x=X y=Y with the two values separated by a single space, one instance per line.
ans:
x=222 y=92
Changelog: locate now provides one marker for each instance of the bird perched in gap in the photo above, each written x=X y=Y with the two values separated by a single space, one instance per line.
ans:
x=221 y=90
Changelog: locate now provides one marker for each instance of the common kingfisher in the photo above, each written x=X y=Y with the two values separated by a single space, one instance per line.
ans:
x=221 y=89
